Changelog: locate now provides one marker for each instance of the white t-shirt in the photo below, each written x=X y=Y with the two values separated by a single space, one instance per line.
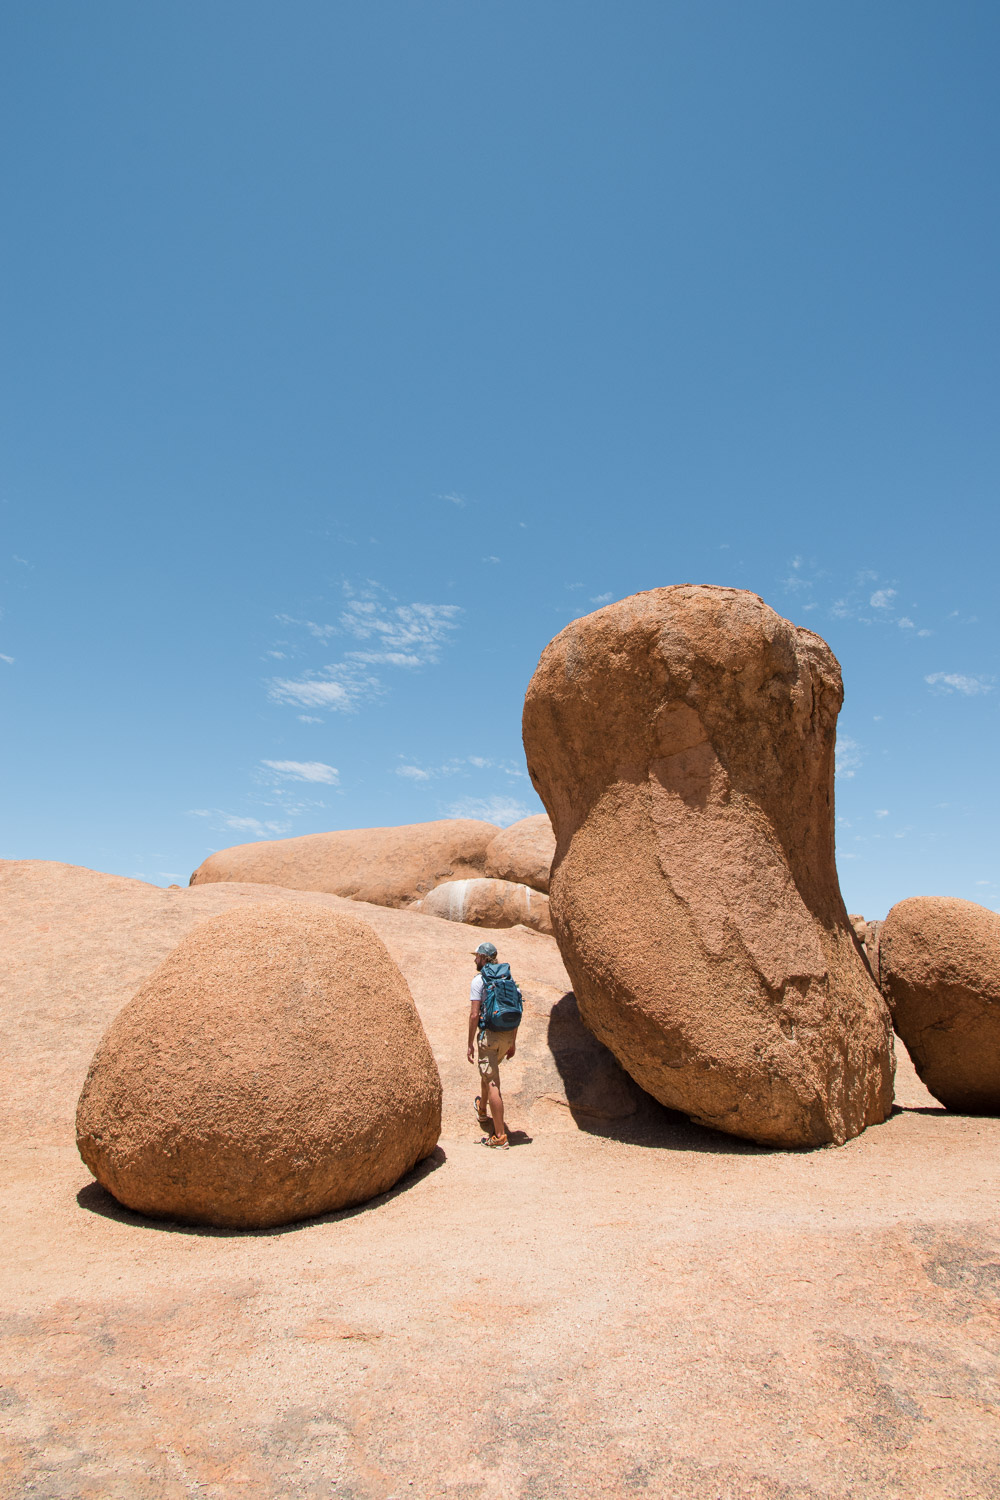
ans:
x=476 y=990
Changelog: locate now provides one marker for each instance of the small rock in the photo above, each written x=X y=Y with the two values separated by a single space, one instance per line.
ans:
x=488 y=903
x=523 y=852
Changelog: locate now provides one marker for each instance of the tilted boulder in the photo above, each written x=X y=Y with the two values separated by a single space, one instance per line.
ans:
x=273 y=1067
x=939 y=966
x=387 y=866
x=523 y=852
x=488 y=903
x=682 y=741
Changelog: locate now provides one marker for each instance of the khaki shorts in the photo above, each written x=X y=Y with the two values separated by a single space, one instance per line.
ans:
x=493 y=1048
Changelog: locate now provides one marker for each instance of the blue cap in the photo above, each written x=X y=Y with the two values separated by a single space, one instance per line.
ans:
x=487 y=950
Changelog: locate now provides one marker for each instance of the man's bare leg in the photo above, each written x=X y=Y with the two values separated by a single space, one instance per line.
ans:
x=484 y=1098
x=496 y=1109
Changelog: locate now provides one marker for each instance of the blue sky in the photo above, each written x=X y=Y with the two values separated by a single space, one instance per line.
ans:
x=353 y=349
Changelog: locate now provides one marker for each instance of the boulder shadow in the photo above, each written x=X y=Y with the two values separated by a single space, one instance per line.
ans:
x=95 y=1199
x=605 y=1101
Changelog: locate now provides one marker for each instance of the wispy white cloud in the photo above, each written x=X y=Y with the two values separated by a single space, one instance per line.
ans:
x=501 y=810
x=848 y=756
x=458 y=766
x=861 y=602
x=881 y=812
x=387 y=658
x=8 y=659
x=258 y=829
x=601 y=598
x=304 y=770
x=957 y=682
x=340 y=694
x=321 y=632
x=414 y=773
x=409 y=634
x=455 y=499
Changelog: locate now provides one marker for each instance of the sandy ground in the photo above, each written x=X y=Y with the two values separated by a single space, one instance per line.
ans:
x=615 y=1307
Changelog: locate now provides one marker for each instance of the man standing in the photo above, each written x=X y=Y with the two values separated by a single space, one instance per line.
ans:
x=493 y=1048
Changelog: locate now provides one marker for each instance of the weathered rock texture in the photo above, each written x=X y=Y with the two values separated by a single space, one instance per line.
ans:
x=387 y=866
x=872 y=939
x=273 y=1067
x=939 y=965
x=523 y=852
x=682 y=741
x=488 y=903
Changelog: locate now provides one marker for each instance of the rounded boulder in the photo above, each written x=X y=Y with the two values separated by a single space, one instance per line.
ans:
x=272 y=1068
x=488 y=903
x=523 y=852
x=939 y=967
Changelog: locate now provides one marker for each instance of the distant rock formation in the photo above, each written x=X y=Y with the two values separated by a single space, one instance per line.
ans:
x=523 y=852
x=939 y=962
x=272 y=1068
x=682 y=741
x=488 y=903
x=387 y=866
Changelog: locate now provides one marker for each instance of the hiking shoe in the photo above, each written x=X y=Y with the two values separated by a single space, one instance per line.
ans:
x=495 y=1142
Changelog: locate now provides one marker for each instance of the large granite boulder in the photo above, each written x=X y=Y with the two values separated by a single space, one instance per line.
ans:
x=273 y=1067
x=523 y=852
x=682 y=741
x=388 y=866
x=939 y=967
x=488 y=903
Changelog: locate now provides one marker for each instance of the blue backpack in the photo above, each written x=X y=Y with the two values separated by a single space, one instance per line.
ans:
x=501 y=1005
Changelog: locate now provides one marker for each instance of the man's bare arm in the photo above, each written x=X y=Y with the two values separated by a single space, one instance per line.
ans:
x=473 y=1025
